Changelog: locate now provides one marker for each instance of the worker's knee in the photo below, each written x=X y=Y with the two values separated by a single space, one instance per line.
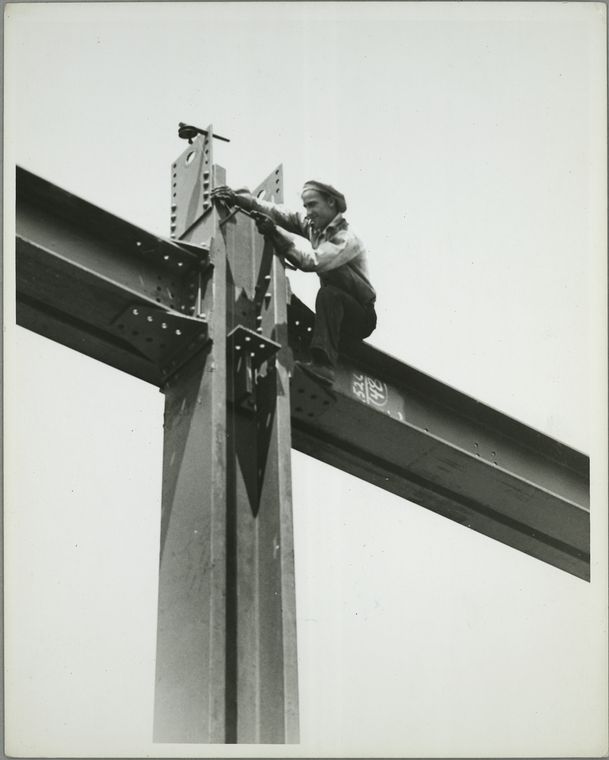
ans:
x=328 y=294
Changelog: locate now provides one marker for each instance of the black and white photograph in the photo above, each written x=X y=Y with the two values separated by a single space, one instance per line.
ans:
x=305 y=379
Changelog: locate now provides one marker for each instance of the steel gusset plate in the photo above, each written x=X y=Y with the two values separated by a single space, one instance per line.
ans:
x=191 y=184
x=308 y=399
x=166 y=338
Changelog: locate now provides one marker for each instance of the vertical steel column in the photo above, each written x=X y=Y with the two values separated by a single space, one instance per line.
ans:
x=191 y=632
x=226 y=647
x=262 y=685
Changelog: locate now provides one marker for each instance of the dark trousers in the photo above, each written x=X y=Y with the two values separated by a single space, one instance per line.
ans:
x=338 y=314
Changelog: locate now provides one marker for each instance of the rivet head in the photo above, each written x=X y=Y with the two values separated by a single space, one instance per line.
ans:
x=135 y=312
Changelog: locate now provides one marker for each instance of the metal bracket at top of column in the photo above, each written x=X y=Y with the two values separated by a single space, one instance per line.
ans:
x=189 y=132
x=191 y=183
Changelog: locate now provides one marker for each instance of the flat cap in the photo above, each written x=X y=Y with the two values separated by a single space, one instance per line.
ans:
x=321 y=187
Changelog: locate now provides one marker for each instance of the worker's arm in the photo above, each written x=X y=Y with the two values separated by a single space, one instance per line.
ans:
x=342 y=248
x=280 y=214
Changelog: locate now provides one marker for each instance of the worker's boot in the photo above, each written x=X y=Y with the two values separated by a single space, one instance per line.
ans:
x=320 y=368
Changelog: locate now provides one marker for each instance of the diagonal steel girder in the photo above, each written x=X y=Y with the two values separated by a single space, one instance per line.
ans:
x=80 y=270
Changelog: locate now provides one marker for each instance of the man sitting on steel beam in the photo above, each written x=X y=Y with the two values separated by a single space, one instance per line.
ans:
x=326 y=245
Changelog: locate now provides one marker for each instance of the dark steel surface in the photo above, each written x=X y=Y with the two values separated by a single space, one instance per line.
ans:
x=192 y=626
x=263 y=686
x=80 y=269
x=427 y=442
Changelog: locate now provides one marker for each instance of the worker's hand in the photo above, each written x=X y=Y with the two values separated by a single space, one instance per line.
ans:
x=223 y=194
x=265 y=225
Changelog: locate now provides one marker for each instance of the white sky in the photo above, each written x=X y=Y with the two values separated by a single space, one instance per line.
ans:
x=469 y=140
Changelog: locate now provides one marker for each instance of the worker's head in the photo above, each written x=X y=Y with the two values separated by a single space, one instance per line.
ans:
x=322 y=203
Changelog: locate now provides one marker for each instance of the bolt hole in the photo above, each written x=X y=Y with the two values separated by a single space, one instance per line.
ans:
x=134 y=332
x=310 y=414
x=148 y=340
x=299 y=409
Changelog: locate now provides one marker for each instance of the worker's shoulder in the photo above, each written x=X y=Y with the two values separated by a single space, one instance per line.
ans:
x=348 y=234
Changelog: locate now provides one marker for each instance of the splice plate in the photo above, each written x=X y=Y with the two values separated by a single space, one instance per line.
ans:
x=162 y=336
x=309 y=398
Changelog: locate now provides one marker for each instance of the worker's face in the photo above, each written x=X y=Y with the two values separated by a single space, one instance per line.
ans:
x=320 y=209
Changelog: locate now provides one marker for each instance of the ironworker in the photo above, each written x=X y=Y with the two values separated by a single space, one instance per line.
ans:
x=320 y=240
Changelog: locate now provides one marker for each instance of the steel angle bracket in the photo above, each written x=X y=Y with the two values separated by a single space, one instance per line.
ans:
x=166 y=338
x=201 y=252
x=309 y=399
x=247 y=350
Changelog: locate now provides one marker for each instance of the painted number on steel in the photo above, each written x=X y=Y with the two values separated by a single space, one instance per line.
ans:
x=369 y=390
x=375 y=393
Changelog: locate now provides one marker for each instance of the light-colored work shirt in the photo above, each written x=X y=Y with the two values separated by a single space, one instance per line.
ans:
x=336 y=249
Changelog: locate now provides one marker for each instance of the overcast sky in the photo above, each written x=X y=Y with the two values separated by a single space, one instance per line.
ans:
x=469 y=140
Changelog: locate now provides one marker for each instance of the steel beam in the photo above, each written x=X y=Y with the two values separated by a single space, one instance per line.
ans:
x=405 y=432
x=81 y=273
x=79 y=268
